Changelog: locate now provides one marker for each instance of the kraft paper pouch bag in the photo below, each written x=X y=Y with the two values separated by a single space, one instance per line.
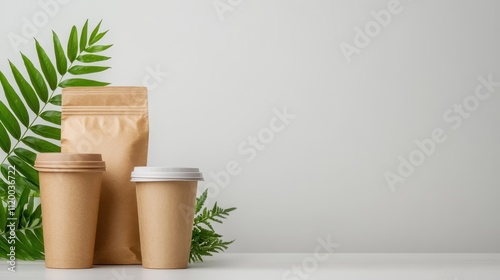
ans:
x=112 y=121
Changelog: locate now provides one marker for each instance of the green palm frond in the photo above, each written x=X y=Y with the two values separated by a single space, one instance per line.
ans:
x=28 y=125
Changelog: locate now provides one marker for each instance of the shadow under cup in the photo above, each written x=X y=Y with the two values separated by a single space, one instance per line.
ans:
x=70 y=187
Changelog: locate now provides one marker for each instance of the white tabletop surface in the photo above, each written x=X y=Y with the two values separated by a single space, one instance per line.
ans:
x=289 y=266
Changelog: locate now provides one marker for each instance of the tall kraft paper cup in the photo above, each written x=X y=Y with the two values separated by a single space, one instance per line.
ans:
x=165 y=202
x=70 y=187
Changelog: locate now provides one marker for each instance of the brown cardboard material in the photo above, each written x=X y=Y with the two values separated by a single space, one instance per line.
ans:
x=81 y=164
x=70 y=203
x=166 y=213
x=112 y=121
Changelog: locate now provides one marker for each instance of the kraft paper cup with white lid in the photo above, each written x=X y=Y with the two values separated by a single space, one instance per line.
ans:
x=166 y=198
x=70 y=187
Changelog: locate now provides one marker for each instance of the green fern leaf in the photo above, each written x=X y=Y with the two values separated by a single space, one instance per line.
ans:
x=21 y=202
x=3 y=215
x=40 y=145
x=205 y=241
x=36 y=79
x=81 y=70
x=36 y=220
x=4 y=247
x=5 y=143
x=26 y=155
x=56 y=100
x=87 y=58
x=61 y=62
x=73 y=44
x=201 y=201
x=51 y=116
x=23 y=183
x=94 y=32
x=9 y=121
x=47 y=131
x=14 y=101
x=98 y=37
x=83 y=36
x=81 y=83
x=26 y=90
x=47 y=67
x=96 y=49
x=24 y=168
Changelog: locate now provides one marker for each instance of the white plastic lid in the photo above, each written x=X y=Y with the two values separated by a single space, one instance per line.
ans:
x=152 y=174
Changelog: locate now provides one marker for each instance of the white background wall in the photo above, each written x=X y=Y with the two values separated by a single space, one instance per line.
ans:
x=323 y=175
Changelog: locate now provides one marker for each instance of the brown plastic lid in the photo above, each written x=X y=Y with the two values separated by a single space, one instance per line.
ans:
x=55 y=162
